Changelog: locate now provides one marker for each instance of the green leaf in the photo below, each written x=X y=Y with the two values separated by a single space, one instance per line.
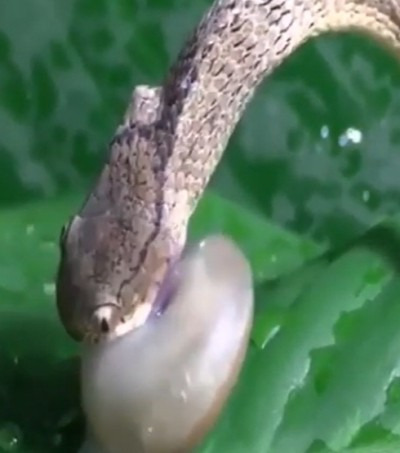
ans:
x=272 y=250
x=326 y=367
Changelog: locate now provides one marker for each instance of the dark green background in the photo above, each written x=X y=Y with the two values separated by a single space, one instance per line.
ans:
x=66 y=72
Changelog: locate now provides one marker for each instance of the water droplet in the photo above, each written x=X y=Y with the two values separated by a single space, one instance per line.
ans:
x=49 y=245
x=188 y=379
x=30 y=229
x=350 y=136
x=10 y=437
x=272 y=333
x=324 y=131
x=49 y=289
x=366 y=195
x=183 y=396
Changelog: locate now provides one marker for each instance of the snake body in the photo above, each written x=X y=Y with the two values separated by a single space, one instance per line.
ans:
x=117 y=252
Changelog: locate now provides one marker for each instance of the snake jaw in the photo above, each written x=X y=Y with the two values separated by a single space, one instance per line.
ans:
x=134 y=321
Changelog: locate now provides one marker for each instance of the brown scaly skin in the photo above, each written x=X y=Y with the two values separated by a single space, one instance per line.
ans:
x=117 y=249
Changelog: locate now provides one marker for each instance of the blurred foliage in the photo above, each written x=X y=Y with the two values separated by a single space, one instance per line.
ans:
x=322 y=373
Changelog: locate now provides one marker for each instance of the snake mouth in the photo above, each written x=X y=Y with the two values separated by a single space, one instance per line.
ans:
x=165 y=294
x=172 y=279
x=108 y=321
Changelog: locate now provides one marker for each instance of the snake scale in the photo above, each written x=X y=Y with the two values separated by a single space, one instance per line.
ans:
x=117 y=250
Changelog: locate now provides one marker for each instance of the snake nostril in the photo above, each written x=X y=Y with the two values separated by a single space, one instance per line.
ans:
x=104 y=326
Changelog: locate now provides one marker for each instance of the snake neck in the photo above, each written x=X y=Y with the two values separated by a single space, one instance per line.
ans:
x=236 y=45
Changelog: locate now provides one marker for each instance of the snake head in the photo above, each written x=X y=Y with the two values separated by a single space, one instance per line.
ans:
x=107 y=276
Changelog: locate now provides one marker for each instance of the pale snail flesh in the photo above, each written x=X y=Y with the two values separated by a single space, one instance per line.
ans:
x=161 y=387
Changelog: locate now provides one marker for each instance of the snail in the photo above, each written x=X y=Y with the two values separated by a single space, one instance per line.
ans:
x=160 y=388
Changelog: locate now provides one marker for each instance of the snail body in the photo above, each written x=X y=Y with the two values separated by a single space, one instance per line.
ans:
x=161 y=387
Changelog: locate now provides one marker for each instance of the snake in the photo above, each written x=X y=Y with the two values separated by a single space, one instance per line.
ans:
x=118 y=251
